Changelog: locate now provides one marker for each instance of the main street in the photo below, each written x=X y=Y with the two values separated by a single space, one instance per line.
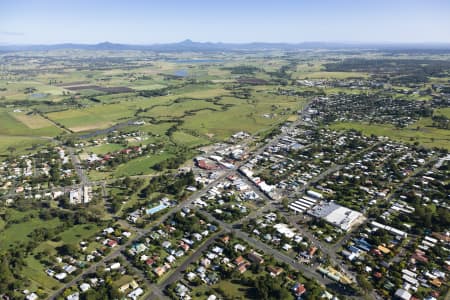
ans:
x=188 y=202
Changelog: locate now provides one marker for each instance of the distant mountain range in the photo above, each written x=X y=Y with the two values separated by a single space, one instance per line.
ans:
x=188 y=45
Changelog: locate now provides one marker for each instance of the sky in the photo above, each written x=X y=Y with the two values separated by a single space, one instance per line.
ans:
x=239 y=21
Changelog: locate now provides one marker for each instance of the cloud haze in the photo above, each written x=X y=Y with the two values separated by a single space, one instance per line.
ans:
x=145 y=22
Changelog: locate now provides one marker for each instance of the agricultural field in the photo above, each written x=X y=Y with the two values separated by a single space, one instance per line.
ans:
x=21 y=124
x=140 y=136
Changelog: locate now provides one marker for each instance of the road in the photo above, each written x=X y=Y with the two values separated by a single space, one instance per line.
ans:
x=259 y=245
x=155 y=291
x=175 y=276
x=306 y=270
x=142 y=232
x=84 y=180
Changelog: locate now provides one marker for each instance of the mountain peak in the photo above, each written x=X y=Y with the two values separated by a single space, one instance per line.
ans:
x=187 y=41
x=105 y=43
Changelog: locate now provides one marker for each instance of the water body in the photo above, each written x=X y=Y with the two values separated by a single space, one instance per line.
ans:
x=38 y=95
x=107 y=130
x=181 y=73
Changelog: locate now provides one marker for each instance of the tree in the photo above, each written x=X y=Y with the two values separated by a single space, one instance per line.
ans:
x=68 y=249
x=364 y=283
x=6 y=276
x=55 y=173
x=11 y=150
x=285 y=202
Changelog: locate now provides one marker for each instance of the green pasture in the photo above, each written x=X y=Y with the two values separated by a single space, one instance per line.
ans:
x=188 y=140
x=104 y=148
x=11 y=126
x=141 y=165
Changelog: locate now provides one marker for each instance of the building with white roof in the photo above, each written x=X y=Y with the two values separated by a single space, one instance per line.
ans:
x=337 y=215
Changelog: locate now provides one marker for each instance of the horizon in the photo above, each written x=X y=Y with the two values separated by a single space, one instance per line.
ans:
x=348 y=43
x=139 y=22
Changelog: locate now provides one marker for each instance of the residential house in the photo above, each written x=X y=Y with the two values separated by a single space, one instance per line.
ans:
x=255 y=258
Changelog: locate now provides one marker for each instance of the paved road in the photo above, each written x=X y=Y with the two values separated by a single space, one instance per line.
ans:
x=84 y=180
x=259 y=245
x=177 y=274
x=112 y=255
x=155 y=291
x=142 y=232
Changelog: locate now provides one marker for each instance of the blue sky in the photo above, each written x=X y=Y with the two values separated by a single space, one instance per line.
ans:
x=147 y=22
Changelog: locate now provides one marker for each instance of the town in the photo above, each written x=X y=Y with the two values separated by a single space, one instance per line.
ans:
x=306 y=175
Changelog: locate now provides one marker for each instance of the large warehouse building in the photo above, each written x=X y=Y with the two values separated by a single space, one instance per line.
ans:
x=337 y=215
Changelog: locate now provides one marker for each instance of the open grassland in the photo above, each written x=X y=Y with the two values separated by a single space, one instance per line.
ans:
x=412 y=97
x=252 y=115
x=89 y=118
x=188 y=140
x=15 y=90
x=20 y=144
x=105 y=115
x=177 y=110
x=200 y=91
x=34 y=270
x=141 y=165
x=77 y=233
x=33 y=121
x=156 y=129
x=222 y=125
x=146 y=86
x=111 y=98
x=10 y=125
x=104 y=148
x=419 y=132
x=20 y=232
x=442 y=111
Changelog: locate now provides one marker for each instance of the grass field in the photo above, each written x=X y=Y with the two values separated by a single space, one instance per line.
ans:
x=104 y=115
x=141 y=165
x=177 y=110
x=83 y=119
x=21 y=144
x=443 y=111
x=426 y=136
x=190 y=141
x=19 y=232
x=22 y=125
x=15 y=90
x=244 y=115
x=157 y=129
x=232 y=289
x=32 y=121
x=35 y=272
x=104 y=148
x=77 y=233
